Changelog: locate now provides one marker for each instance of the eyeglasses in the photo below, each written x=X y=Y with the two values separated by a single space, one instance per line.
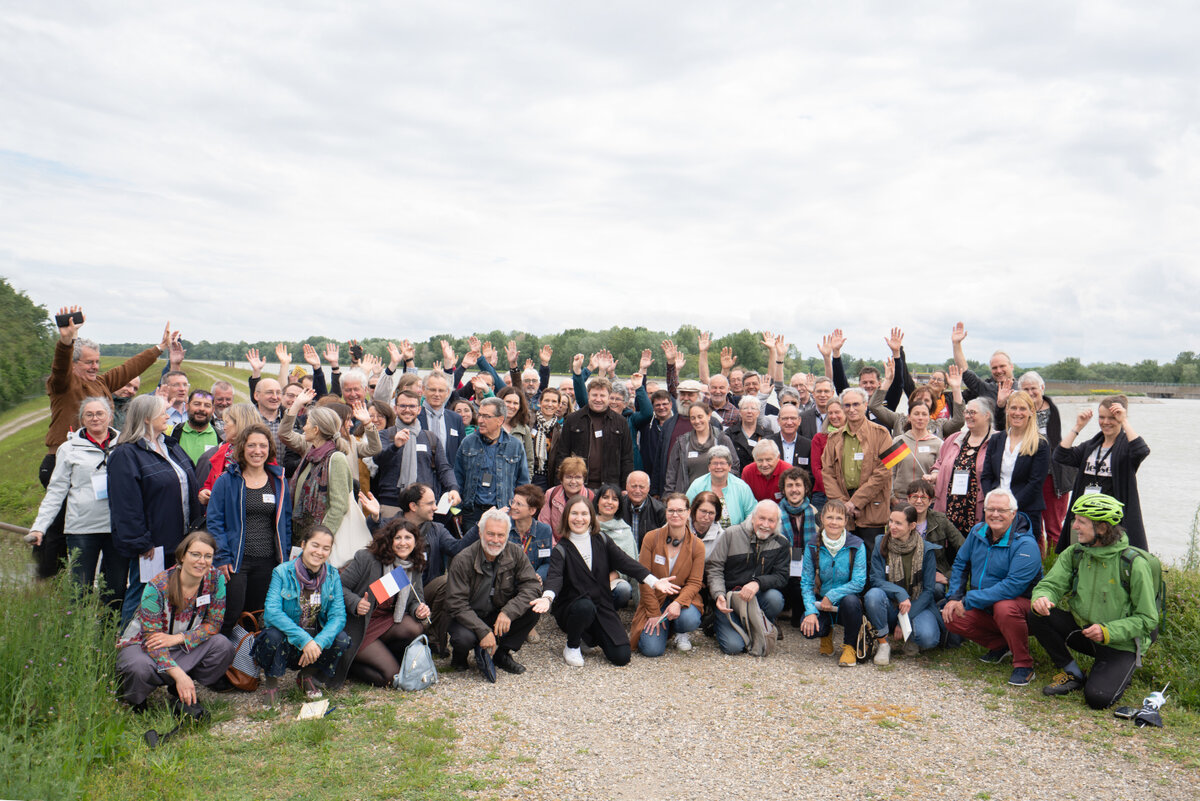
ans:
x=407 y=406
x=1005 y=511
x=677 y=511
x=94 y=415
x=918 y=496
x=483 y=416
x=200 y=557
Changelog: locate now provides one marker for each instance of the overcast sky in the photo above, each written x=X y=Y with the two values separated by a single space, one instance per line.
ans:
x=257 y=171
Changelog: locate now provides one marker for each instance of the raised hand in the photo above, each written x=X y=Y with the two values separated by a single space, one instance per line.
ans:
x=780 y=347
x=302 y=400
x=728 y=360
x=837 y=341
x=331 y=353
x=680 y=361
x=350 y=346
x=958 y=333
x=408 y=352
x=704 y=341
x=544 y=355
x=577 y=363
x=669 y=351
x=393 y=356
x=448 y=355
x=282 y=354
x=894 y=341
x=176 y=351
x=68 y=331
x=488 y=351
x=529 y=364
x=1083 y=418
x=372 y=364
x=593 y=362
x=768 y=340
x=401 y=438
x=889 y=371
x=360 y=412
x=311 y=358
x=1006 y=388
x=437 y=367
x=256 y=364
x=825 y=346
x=474 y=344
x=635 y=381
x=511 y=353
x=470 y=359
x=166 y=337
x=954 y=378
x=1119 y=414
x=646 y=360
x=604 y=361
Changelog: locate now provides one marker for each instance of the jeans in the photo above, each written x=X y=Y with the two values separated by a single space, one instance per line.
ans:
x=87 y=550
x=621 y=593
x=849 y=614
x=275 y=654
x=655 y=644
x=884 y=616
x=771 y=604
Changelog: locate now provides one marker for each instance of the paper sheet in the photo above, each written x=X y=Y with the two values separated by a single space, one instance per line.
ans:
x=313 y=710
x=149 y=568
x=905 y=626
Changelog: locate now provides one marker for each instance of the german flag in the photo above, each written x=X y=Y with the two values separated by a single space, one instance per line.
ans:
x=895 y=454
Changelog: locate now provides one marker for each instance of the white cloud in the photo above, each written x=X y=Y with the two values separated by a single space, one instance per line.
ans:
x=263 y=170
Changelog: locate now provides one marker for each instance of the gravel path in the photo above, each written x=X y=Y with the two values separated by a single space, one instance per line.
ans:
x=704 y=725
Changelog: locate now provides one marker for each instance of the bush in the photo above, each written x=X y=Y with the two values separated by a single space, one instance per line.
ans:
x=58 y=710
x=26 y=346
x=1176 y=655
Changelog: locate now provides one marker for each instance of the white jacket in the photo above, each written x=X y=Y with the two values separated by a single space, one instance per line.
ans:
x=77 y=461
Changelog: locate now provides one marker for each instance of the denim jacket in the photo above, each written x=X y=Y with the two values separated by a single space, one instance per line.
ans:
x=511 y=467
x=283 y=609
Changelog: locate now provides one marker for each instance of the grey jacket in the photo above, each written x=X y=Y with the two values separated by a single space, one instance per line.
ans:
x=77 y=461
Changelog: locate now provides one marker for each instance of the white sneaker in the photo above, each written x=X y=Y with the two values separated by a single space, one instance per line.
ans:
x=883 y=654
x=683 y=642
x=573 y=656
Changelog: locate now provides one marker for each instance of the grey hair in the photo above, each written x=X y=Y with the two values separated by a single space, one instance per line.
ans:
x=494 y=514
x=97 y=399
x=822 y=379
x=438 y=375
x=751 y=374
x=356 y=374
x=750 y=400
x=982 y=405
x=787 y=393
x=529 y=373
x=620 y=390
x=329 y=426
x=1031 y=375
x=80 y=344
x=1000 y=492
x=768 y=506
x=222 y=385
x=764 y=447
x=497 y=406
x=720 y=452
x=139 y=418
x=862 y=393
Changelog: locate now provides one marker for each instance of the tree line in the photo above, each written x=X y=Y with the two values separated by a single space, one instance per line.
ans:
x=26 y=346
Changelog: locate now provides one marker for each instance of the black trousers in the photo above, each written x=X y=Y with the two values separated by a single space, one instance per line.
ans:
x=51 y=555
x=580 y=625
x=1112 y=670
x=462 y=638
x=246 y=590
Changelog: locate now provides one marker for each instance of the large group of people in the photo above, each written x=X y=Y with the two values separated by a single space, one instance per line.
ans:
x=912 y=515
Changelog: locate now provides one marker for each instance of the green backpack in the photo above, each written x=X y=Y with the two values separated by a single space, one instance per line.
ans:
x=1127 y=558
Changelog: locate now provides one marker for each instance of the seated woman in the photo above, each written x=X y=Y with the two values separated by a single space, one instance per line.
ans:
x=608 y=506
x=250 y=517
x=736 y=496
x=902 y=581
x=379 y=632
x=572 y=473
x=172 y=639
x=304 y=618
x=671 y=550
x=834 y=569
x=578 y=586
x=937 y=529
x=1111 y=596
x=703 y=520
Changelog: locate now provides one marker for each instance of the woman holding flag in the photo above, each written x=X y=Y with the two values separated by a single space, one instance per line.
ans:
x=385 y=606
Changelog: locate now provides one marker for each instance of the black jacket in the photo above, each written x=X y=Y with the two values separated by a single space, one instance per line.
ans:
x=653 y=515
x=570 y=579
x=576 y=440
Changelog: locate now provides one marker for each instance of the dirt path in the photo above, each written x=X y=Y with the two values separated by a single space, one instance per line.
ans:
x=24 y=421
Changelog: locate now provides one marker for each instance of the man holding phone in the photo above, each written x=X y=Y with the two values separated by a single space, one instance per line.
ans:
x=75 y=375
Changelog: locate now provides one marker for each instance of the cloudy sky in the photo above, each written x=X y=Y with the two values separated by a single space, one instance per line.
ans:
x=260 y=170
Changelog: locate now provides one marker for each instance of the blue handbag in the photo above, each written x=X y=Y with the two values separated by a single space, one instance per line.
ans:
x=417 y=670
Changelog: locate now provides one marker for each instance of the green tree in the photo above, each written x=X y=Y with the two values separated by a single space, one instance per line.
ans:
x=26 y=346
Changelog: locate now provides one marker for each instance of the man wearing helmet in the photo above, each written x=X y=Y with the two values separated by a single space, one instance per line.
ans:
x=1110 y=590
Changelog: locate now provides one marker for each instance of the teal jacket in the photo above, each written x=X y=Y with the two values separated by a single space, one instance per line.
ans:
x=283 y=607
x=739 y=500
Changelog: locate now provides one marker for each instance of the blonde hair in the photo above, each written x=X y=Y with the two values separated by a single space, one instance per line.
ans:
x=1030 y=437
x=242 y=415
x=329 y=426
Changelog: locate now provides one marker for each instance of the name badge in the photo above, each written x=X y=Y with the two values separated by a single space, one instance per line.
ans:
x=1091 y=489
x=543 y=553
x=858 y=457
x=751 y=442
x=100 y=486
x=958 y=485
x=598 y=434
x=796 y=568
x=203 y=600
x=693 y=455
x=296 y=550
x=804 y=459
x=778 y=495
x=923 y=449
x=268 y=497
x=316 y=598
x=659 y=559
x=454 y=432
x=422 y=448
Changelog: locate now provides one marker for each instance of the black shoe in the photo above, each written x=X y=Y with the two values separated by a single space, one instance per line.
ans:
x=996 y=656
x=459 y=660
x=504 y=660
x=483 y=661
x=1063 y=683
x=222 y=685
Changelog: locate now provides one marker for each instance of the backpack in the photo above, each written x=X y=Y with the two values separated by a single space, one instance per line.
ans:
x=1127 y=558
x=417 y=671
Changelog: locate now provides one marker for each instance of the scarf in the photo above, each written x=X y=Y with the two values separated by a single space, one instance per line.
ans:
x=408 y=454
x=833 y=546
x=896 y=551
x=543 y=428
x=309 y=583
x=807 y=531
x=312 y=495
x=402 y=598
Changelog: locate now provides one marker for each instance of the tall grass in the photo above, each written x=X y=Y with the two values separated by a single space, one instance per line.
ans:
x=58 y=711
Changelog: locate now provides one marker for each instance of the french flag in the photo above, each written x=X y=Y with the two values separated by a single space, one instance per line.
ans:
x=389 y=585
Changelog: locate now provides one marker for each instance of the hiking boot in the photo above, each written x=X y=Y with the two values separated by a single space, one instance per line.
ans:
x=827 y=645
x=910 y=648
x=883 y=654
x=683 y=642
x=459 y=660
x=1062 y=684
x=572 y=656
x=849 y=658
x=504 y=660
x=1021 y=676
x=996 y=655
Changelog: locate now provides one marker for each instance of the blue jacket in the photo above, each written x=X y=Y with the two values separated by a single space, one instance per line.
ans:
x=144 y=499
x=838 y=577
x=541 y=540
x=282 y=609
x=227 y=515
x=510 y=470
x=455 y=430
x=895 y=592
x=998 y=572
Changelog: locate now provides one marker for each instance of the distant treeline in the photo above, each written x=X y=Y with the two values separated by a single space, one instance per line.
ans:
x=26 y=346
x=626 y=344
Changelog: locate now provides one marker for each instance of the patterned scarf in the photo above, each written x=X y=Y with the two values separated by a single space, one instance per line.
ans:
x=807 y=531
x=312 y=495
x=543 y=428
x=402 y=598
x=309 y=583
x=896 y=551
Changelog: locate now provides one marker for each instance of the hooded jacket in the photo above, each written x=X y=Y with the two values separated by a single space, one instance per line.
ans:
x=1000 y=571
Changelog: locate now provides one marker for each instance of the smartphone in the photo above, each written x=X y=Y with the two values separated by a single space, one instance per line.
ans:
x=63 y=320
x=1125 y=712
x=356 y=352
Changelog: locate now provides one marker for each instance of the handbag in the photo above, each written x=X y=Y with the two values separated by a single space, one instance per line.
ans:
x=351 y=537
x=417 y=670
x=243 y=671
x=867 y=643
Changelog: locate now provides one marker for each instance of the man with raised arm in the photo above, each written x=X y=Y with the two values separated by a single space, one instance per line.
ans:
x=997 y=388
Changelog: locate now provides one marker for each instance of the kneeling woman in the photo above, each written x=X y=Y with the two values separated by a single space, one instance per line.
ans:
x=172 y=639
x=835 y=570
x=1110 y=590
x=675 y=551
x=304 y=617
x=903 y=580
x=379 y=632
x=578 y=585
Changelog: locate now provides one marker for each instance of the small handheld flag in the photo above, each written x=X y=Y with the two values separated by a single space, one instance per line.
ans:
x=389 y=585
x=895 y=454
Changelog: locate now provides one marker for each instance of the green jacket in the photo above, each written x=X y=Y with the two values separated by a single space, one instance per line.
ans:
x=1099 y=597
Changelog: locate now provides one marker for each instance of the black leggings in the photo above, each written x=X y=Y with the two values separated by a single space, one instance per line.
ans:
x=377 y=662
x=246 y=590
x=1111 y=672
x=580 y=624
